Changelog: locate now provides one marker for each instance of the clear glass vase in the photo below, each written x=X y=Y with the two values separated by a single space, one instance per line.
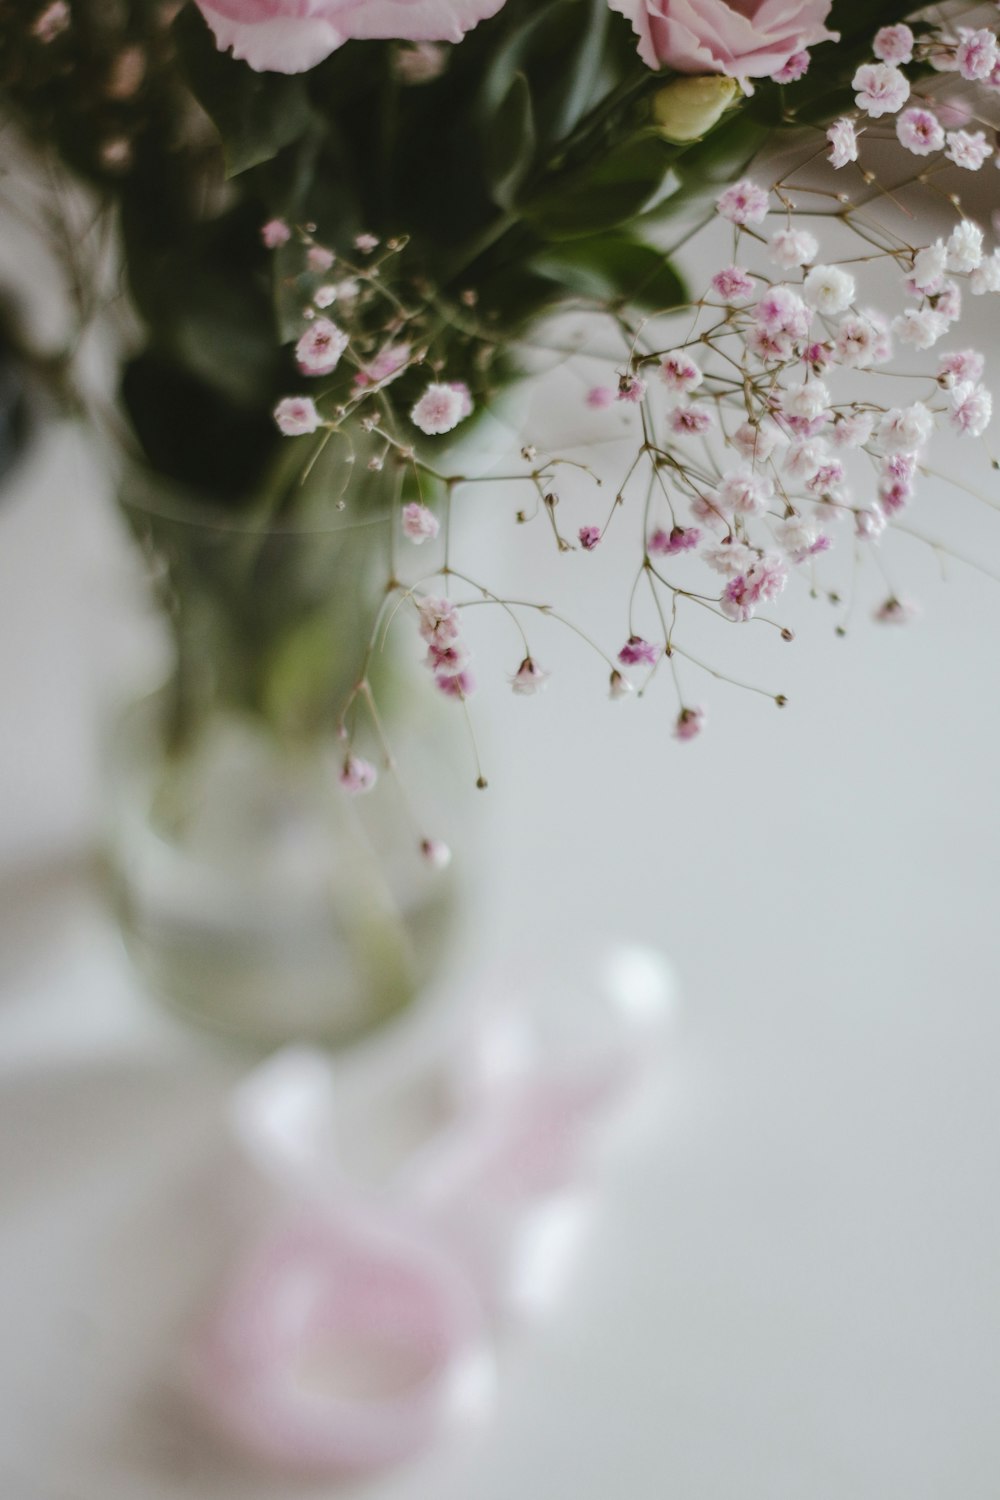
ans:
x=256 y=896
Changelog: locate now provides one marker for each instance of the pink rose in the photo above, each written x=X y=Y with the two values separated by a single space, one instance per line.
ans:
x=291 y=36
x=745 y=38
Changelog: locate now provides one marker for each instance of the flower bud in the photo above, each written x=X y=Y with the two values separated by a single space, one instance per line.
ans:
x=687 y=108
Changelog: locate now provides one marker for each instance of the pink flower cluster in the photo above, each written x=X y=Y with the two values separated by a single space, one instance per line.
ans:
x=446 y=656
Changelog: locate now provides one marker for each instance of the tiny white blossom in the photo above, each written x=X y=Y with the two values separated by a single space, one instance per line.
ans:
x=828 y=289
x=793 y=247
x=929 y=265
x=529 y=678
x=843 y=143
x=905 y=429
x=921 y=327
x=986 y=277
x=808 y=400
x=965 y=247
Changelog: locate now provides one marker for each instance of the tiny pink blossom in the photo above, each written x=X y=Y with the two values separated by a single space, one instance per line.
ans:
x=296 y=415
x=600 y=396
x=827 y=478
x=387 y=365
x=780 y=310
x=448 y=660
x=730 y=557
x=366 y=243
x=275 y=233
x=319 y=259
x=733 y=284
x=968 y=149
x=976 y=54
x=743 y=203
x=853 y=429
x=921 y=327
x=757 y=442
x=357 y=775
x=455 y=684
x=972 y=409
x=880 y=89
x=325 y=296
x=962 y=365
x=529 y=678
x=685 y=420
x=438 y=621
x=893 y=44
x=894 y=495
x=920 y=131
x=800 y=539
x=589 y=537
x=439 y=410
x=856 y=341
x=631 y=388
x=763 y=580
x=668 y=543
x=744 y=492
x=843 y=140
x=689 y=724
x=319 y=349
x=680 y=374
x=419 y=523
x=436 y=853
x=636 y=651
x=795 y=68
x=818 y=356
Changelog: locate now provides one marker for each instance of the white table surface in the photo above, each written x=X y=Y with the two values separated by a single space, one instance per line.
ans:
x=793 y=1286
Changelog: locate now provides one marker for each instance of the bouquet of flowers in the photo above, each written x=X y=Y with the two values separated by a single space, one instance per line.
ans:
x=343 y=224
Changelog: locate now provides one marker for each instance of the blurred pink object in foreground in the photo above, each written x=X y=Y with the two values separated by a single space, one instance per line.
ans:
x=344 y=1346
x=358 y=1336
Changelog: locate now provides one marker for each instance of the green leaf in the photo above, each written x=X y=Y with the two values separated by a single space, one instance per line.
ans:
x=604 y=193
x=511 y=143
x=256 y=114
x=613 y=268
x=583 y=74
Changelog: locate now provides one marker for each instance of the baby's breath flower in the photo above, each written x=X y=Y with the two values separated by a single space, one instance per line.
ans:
x=843 y=143
x=880 y=89
x=275 y=233
x=920 y=131
x=419 y=523
x=529 y=678
x=357 y=775
x=689 y=723
x=439 y=410
x=296 y=415
x=745 y=202
x=829 y=289
x=319 y=349
x=968 y=149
